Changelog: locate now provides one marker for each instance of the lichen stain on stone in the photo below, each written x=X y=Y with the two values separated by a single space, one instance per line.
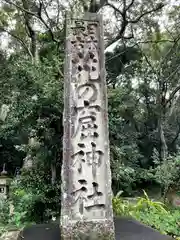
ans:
x=103 y=230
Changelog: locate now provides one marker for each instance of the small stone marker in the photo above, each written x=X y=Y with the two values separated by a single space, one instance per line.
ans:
x=86 y=177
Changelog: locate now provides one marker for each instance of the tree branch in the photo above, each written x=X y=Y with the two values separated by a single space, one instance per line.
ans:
x=156 y=41
x=115 y=8
x=44 y=22
x=176 y=136
x=147 y=60
x=130 y=5
x=173 y=93
x=175 y=41
x=42 y=5
x=58 y=13
x=18 y=39
x=39 y=16
x=159 y=7
x=21 y=8
x=125 y=21
x=95 y=5
x=32 y=33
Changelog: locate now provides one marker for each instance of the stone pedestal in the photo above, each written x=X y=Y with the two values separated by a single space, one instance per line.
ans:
x=88 y=230
x=86 y=177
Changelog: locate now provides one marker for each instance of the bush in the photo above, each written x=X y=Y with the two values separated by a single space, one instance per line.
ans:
x=23 y=202
x=151 y=213
x=4 y=212
x=167 y=173
x=166 y=223
x=121 y=207
x=34 y=198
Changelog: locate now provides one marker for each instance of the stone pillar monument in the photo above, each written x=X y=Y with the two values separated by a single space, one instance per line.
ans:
x=86 y=211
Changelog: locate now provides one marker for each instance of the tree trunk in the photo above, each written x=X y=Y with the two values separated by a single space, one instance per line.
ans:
x=163 y=144
x=161 y=111
x=53 y=173
x=163 y=151
x=31 y=32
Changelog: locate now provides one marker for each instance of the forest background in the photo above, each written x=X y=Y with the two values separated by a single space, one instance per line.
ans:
x=143 y=69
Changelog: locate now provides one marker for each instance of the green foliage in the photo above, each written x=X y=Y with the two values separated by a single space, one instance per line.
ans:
x=146 y=203
x=116 y=61
x=34 y=198
x=32 y=127
x=4 y=211
x=121 y=207
x=167 y=173
x=152 y=213
x=142 y=74
x=166 y=223
x=34 y=96
x=7 y=218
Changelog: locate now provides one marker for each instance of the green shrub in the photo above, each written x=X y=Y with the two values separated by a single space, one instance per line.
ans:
x=167 y=173
x=121 y=207
x=23 y=202
x=152 y=213
x=34 y=198
x=4 y=212
x=166 y=223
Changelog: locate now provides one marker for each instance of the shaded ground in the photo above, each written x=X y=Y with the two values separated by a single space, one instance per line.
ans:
x=126 y=229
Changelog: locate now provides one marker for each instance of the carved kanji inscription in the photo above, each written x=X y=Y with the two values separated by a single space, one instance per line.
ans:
x=86 y=162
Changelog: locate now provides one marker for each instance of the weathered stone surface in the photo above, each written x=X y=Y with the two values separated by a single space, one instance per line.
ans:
x=89 y=230
x=11 y=235
x=86 y=176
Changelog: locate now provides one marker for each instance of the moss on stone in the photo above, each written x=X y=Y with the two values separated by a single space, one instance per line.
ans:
x=103 y=230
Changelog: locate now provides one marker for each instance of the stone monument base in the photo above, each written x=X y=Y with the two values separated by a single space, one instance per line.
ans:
x=92 y=230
